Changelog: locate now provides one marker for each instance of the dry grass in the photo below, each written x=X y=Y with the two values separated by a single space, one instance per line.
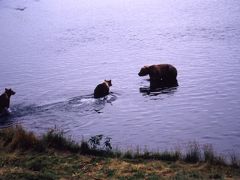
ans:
x=52 y=156
x=72 y=166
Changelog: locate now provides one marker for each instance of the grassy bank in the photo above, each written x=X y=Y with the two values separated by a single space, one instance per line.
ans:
x=52 y=156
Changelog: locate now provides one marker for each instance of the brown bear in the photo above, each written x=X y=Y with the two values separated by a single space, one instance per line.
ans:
x=163 y=73
x=102 y=89
x=5 y=100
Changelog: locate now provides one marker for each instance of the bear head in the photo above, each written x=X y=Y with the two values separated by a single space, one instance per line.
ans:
x=9 y=92
x=144 y=71
x=108 y=82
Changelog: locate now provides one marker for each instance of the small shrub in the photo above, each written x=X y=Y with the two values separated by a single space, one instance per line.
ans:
x=18 y=138
x=24 y=140
x=84 y=148
x=128 y=155
x=97 y=147
x=208 y=153
x=6 y=136
x=55 y=139
x=211 y=157
x=107 y=144
x=234 y=161
x=219 y=160
x=193 y=154
x=146 y=154
x=95 y=141
x=170 y=156
x=117 y=153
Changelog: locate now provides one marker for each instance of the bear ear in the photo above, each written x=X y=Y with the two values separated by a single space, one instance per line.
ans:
x=6 y=89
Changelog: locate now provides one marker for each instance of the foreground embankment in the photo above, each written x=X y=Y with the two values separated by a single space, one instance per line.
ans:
x=24 y=155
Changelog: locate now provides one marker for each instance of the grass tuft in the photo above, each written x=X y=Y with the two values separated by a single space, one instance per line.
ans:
x=234 y=160
x=193 y=154
x=128 y=155
x=208 y=153
x=169 y=156
x=55 y=139
x=18 y=139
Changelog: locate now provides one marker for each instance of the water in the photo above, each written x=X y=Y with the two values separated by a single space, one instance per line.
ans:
x=54 y=53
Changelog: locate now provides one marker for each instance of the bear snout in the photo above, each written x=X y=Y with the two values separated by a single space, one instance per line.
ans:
x=142 y=73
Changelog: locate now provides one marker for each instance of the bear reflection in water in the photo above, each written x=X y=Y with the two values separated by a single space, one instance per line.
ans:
x=160 y=84
x=158 y=87
x=163 y=77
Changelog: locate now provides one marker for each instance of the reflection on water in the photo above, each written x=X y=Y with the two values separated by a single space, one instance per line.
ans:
x=154 y=92
x=80 y=106
x=159 y=87
x=6 y=121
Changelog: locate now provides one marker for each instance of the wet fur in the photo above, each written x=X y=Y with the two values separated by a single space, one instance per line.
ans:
x=163 y=73
x=102 y=89
x=5 y=100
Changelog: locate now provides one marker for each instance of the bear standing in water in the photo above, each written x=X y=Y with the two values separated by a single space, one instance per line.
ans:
x=5 y=100
x=102 y=89
x=164 y=74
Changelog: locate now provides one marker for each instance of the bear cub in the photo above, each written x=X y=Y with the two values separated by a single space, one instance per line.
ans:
x=102 y=89
x=5 y=100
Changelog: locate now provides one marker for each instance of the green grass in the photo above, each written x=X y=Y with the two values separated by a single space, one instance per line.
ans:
x=193 y=154
x=16 y=138
x=55 y=139
x=52 y=156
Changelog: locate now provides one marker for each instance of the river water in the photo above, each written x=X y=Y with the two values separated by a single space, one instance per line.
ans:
x=54 y=53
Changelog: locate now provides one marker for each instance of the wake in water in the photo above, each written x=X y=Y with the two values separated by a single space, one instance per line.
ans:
x=79 y=106
x=157 y=88
x=147 y=91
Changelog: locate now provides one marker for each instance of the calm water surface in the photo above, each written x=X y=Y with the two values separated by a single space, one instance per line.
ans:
x=53 y=54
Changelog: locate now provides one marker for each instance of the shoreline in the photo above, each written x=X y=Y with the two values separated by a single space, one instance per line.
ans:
x=53 y=156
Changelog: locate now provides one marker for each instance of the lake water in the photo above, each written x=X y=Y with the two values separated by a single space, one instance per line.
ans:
x=54 y=53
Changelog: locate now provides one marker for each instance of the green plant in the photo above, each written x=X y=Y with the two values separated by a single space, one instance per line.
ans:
x=56 y=139
x=96 y=143
x=193 y=154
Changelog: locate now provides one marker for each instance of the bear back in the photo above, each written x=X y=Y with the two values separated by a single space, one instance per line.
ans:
x=163 y=72
x=102 y=89
x=5 y=99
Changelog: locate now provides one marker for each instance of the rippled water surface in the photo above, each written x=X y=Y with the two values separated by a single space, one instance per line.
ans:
x=54 y=53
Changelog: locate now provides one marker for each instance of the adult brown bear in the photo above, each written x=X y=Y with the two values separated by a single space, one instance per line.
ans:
x=5 y=100
x=162 y=74
x=102 y=89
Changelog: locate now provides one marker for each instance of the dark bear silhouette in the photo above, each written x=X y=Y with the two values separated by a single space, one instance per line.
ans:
x=102 y=89
x=161 y=75
x=5 y=100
